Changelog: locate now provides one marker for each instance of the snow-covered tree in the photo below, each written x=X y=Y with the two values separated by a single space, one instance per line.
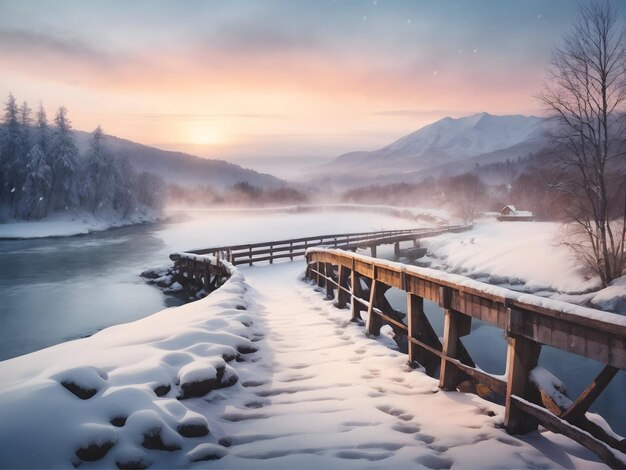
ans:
x=149 y=190
x=100 y=174
x=42 y=130
x=9 y=148
x=64 y=164
x=33 y=204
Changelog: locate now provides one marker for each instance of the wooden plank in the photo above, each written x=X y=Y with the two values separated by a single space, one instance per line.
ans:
x=494 y=383
x=589 y=395
x=555 y=424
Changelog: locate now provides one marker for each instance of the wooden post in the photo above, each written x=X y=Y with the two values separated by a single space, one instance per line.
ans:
x=455 y=325
x=355 y=286
x=377 y=293
x=330 y=287
x=342 y=295
x=250 y=255
x=291 y=251
x=415 y=307
x=271 y=254
x=396 y=249
x=318 y=276
x=373 y=248
x=522 y=357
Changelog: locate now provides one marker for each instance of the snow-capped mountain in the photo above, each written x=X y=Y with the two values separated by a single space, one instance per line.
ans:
x=449 y=141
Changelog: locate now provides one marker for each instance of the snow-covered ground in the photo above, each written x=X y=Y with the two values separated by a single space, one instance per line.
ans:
x=79 y=223
x=317 y=393
x=525 y=256
x=64 y=225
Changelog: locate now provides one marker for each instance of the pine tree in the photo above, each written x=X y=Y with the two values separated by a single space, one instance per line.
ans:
x=101 y=175
x=33 y=204
x=9 y=146
x=64 y=164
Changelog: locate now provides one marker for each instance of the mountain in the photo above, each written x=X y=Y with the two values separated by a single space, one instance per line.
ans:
x=445 y=146
x=181 y=168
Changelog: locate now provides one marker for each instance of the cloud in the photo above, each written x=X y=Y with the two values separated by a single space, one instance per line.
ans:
x=187 y=117
x=37 y=46
x=410 y=113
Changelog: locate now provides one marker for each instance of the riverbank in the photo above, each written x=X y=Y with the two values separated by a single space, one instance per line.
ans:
x=67 y=225
x=262 y=373
x=526 y=257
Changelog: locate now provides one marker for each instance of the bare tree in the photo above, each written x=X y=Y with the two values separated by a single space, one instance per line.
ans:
x=466 y=192
x=585 y=93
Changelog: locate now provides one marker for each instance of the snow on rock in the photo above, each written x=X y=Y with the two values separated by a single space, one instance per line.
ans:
x=84 y=382
x=611 y=298
x=175 y=287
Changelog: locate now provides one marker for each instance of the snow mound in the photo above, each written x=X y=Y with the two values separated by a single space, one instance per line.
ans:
x=125 y=396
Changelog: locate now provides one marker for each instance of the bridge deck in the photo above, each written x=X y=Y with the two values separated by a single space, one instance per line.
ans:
x=324 y=395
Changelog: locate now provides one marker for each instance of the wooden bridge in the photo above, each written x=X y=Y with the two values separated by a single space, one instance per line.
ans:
x=361 y=282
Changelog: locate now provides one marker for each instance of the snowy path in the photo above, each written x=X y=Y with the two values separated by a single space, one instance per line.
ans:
x=320 y=394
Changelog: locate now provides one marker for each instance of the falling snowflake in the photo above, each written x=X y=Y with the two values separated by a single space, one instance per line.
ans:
x=408 y=21
x=435 y=72
x=12 y=190
x=364 y=18
x=474 y=51
x=375 y=2
x=41 y=198
x=539 y=16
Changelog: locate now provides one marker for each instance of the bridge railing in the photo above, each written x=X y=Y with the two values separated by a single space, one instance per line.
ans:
x=294 y=247
x=528 y=322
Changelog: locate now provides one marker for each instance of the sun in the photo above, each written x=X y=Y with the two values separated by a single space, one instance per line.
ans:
x=205 y=135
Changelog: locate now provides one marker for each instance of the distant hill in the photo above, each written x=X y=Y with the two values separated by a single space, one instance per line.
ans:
x=181 y=168
x=447 y=146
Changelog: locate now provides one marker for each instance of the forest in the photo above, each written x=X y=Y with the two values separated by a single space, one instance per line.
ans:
x=42 y=171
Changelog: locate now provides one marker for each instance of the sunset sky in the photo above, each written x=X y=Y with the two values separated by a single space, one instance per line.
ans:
x=266 y=78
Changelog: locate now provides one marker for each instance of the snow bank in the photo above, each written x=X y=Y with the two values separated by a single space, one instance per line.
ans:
x=522 y=254
x=64 y=225
x=125 y=396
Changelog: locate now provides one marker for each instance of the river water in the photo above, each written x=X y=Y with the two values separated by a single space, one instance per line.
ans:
x=58 y=289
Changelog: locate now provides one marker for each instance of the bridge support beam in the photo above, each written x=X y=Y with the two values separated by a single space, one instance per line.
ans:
x=522 y=357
